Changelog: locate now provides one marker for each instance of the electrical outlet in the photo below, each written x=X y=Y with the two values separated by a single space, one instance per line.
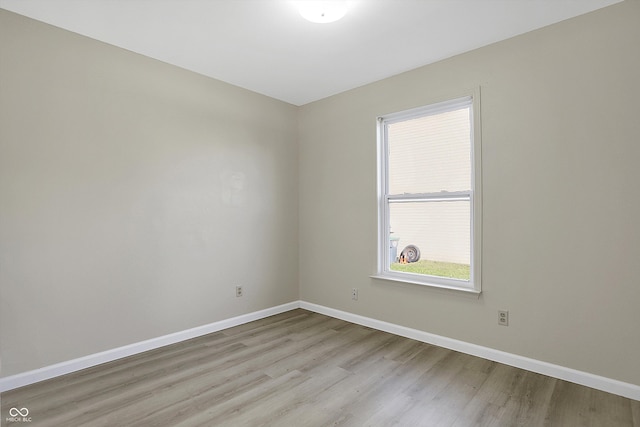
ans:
x=503 y=317
x=238 y=291
x=354 y=294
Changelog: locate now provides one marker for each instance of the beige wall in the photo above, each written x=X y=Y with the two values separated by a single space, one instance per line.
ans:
x=561 y=215
x=134 y=196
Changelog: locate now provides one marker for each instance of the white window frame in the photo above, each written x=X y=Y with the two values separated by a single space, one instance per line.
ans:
x=473 y=285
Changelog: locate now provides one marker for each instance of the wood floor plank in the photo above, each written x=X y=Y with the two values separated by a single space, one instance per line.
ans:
x=278 y=406
x=572 y=404
x=314 y=349
x=509 y=393
x=234 y=409
x=133 y=392
x=100 y=377
x=635 y=412
x=304 y=369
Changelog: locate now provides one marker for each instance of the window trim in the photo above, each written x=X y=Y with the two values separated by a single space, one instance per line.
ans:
x=474 y=285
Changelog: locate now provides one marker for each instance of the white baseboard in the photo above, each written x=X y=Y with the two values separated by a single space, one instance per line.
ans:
x=609 y=385
x=47 y=372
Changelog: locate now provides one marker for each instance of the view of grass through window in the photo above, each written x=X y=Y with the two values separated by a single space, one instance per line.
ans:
x=434 y=268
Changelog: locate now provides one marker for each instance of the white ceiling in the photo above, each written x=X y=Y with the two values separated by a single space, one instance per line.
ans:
x=265 y=45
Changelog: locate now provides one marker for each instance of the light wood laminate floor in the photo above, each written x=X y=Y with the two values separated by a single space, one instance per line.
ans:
x=304 y=369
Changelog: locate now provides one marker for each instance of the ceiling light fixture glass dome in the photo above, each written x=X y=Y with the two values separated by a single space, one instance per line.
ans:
x=322 y=11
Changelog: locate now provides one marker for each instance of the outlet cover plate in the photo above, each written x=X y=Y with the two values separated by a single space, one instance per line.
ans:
x=503 y=317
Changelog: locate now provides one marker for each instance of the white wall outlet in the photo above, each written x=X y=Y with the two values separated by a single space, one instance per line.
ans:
x=238 y=291
x=503 y=317
x=354 y=294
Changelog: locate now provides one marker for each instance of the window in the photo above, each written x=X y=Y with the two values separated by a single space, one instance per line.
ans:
x=429 y=195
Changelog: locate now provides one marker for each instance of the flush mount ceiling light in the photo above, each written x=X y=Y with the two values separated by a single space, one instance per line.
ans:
x=322 y=11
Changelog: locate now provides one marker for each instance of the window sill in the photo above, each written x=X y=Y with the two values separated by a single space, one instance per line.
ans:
x=466 y=291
